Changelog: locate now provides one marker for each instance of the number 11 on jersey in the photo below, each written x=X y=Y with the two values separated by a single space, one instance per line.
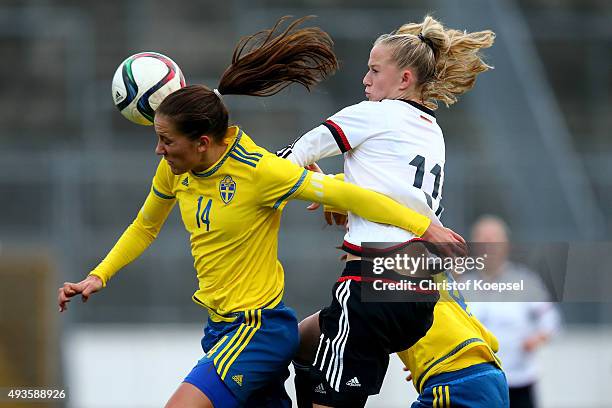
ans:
x=203 y=215
x=419 y=163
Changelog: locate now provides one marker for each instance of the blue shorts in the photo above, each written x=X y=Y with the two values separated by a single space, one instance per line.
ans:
x=479 y=386
x=246 y=360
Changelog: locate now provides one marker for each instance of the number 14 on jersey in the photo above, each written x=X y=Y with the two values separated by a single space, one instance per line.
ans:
x=203 y=214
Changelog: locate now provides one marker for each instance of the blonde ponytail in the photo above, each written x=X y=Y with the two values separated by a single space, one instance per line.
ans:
x=446 y=61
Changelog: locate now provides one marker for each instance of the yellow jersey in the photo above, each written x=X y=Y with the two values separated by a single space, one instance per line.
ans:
x=455 y=340
x=232 y=213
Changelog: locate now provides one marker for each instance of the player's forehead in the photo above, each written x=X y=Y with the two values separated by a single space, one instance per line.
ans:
x=163 y=125
x=380 y=54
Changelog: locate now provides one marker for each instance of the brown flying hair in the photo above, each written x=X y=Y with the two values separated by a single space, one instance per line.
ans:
x=263 y=64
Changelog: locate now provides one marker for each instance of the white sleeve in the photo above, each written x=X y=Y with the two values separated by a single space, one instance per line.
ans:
x=340 y=133
x=310 y=147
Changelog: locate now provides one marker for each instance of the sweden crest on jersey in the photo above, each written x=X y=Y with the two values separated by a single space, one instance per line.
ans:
x=227 y=189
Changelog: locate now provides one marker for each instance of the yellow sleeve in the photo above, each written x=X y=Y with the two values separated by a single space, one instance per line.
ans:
x=329 y=208
x=163 y=181
x=278 y=180
x=143 y=231
x=364 y=203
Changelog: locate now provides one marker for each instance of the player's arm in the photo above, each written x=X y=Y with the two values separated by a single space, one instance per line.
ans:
x=380 y=208
x=547 y=324
x=335 y=215
x=364 y=203
x=279 y=181
x=312 y=146
x=340 y=133
x=134 y=241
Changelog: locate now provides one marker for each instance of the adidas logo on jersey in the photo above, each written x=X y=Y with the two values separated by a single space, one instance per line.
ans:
x=185 y=182
x=320 y=389
x=238 y=379
x=353 y=383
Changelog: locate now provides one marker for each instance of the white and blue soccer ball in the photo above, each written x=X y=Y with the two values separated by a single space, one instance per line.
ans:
x=141 y=83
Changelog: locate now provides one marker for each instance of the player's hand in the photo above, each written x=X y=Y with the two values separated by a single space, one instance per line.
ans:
x=447 y=242
x=332 y=217
x=91 y=284
x=315 y=168
x=533 y=342
x=409 y=377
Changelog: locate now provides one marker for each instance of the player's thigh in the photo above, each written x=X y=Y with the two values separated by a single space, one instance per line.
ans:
x=205 y=379
x=309 y=338
x=187 y=395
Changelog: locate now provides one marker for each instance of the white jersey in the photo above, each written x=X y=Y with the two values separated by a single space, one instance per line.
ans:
x=394 y=147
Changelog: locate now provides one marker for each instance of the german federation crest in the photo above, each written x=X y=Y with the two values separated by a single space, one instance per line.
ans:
x=227 y=189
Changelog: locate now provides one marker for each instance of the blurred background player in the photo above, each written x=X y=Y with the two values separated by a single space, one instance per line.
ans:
x=523 y=322
x=393 y=144
x=231 y=193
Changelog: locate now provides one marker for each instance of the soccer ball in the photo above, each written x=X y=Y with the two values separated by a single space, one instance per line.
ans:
x=141 y=83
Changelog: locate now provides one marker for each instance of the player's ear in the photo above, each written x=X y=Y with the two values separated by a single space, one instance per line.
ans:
x=204 y=143
x=408 y=79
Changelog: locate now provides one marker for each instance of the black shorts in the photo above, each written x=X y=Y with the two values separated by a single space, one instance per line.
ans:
x=357 y=337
